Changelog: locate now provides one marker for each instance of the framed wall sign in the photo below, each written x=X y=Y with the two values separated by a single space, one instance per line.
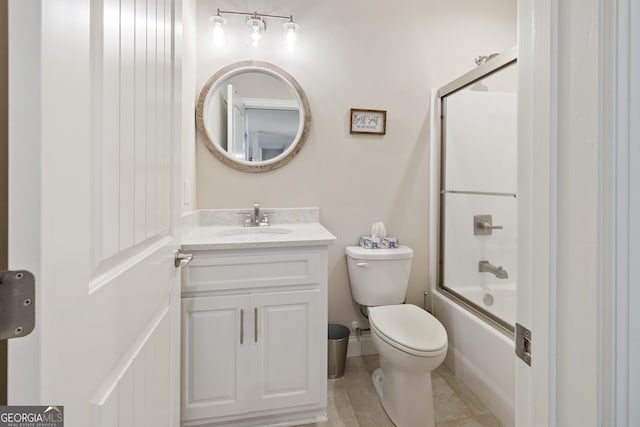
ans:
x=368 y=121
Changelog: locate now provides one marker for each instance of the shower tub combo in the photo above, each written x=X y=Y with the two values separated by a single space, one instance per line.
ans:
x=473 y=243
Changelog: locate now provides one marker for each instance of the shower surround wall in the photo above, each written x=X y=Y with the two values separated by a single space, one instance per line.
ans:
x=357 y=54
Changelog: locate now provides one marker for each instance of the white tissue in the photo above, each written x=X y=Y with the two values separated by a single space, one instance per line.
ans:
x=378 y=230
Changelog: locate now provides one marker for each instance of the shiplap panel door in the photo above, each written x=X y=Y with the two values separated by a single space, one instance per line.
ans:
x=94 y=179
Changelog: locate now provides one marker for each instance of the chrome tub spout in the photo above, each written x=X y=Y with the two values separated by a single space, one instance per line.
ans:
x=499 y=272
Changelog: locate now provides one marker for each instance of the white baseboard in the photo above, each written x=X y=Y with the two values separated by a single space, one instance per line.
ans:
x=360 y=346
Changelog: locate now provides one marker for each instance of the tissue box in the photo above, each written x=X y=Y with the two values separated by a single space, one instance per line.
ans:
x=369 y=242
x=389 y=243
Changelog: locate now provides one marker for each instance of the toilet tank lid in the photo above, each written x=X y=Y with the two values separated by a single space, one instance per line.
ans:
x=357 y=252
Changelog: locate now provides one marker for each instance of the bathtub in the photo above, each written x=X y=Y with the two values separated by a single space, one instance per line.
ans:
x=497 y=299
x=480 y=355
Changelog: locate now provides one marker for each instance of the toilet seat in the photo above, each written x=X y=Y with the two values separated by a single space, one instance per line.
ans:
x=409 y=328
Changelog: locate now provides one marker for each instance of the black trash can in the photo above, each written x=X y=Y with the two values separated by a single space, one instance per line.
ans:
x=337 y=349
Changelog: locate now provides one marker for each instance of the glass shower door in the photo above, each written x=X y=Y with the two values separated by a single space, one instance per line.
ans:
x=478 y=230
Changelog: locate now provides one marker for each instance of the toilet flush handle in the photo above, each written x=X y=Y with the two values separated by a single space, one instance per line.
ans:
x=363 y=264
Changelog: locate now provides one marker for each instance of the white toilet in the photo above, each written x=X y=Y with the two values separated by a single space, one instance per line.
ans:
x=411 y=342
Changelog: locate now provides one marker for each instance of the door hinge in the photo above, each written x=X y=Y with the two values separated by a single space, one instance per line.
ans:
x=523 y=343
x=17 y=303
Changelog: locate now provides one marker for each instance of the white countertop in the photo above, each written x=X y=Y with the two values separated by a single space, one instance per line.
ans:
x=238 y=237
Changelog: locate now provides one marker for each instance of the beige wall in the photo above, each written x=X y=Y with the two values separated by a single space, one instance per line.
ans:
x=359 y=54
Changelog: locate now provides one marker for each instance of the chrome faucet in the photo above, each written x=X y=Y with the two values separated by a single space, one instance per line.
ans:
x=256 y=212
x=499 y=272
x=256 y=221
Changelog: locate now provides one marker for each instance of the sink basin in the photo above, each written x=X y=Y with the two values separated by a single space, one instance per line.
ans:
x=214 y=237
x=254 y=232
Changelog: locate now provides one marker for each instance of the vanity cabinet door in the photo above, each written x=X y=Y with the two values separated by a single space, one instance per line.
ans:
x=290 y=349
x=215 y=356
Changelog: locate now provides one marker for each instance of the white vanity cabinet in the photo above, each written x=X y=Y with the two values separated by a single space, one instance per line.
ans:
x=254 y=336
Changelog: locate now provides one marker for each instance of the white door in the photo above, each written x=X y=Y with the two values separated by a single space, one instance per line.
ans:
x=94 y=170
x=235 y=124
x=577 y=152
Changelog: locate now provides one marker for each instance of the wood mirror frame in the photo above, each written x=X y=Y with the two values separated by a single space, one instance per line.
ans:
x=217 y=80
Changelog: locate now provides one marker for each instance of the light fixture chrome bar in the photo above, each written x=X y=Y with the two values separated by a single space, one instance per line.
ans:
x=257 y=15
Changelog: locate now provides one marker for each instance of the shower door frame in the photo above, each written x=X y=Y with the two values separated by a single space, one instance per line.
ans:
x=484 y=70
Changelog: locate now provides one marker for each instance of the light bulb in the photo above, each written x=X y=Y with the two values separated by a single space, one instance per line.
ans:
x=290 y=33
x=217 y=25
x=256 y=27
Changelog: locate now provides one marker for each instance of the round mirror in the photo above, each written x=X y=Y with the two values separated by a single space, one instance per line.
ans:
x=253 y=116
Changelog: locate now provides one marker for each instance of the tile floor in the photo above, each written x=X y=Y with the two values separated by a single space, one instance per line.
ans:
x=353 y=402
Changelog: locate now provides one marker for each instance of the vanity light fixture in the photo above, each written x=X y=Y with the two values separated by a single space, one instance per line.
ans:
x=256 y=24
x=257 y=27
x=217 y=23
x=290 y=33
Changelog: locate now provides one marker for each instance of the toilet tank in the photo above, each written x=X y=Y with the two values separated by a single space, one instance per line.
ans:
x=379 y=276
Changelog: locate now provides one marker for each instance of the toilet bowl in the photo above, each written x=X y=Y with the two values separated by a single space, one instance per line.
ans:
x=411 y=342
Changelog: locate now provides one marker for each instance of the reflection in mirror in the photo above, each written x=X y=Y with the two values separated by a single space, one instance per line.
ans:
x=253 y=116
x=256 y=116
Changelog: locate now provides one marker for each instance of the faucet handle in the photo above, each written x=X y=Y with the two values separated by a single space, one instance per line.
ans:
x=483 y=225
x=247 y=222
x=264 y=221
x=488 y=226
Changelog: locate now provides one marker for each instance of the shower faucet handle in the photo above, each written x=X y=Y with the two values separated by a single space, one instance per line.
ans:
x=483 y=225
x=488 y=226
